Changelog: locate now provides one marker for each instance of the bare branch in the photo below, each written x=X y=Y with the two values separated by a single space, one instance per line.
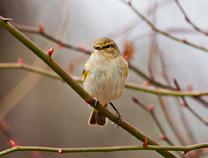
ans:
x=161 y=32
x=185 y=149
x=194 y=26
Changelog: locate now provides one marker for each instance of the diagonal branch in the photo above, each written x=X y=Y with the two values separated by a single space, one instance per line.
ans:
x=78 y=89
x=151 y=111
x=195 y=27
x=185 y=103
x=34 y=30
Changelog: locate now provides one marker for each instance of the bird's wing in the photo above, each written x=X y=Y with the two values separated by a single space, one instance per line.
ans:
x=124 y=66
x=126 y=70
x=85 y=73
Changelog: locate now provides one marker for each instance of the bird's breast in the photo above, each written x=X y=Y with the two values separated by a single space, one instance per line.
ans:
x=105 y=80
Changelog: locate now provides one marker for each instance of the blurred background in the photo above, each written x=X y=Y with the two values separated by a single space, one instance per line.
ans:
x=40 y=111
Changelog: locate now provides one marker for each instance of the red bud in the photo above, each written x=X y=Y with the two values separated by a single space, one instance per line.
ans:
x=20 y=60
x=12 y=143
x=50 y=52
x=41 y=28
x=151 y=108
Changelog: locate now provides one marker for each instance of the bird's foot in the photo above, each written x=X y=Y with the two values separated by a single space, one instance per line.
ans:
x=119 y=119
x=118 y=115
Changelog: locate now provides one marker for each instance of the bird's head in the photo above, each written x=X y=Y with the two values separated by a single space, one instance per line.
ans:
x=106 y=46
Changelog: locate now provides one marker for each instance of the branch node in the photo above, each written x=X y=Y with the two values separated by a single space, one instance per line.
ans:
x=60 y=151
x=130 y=2
x=145 y=142
x=135 y=100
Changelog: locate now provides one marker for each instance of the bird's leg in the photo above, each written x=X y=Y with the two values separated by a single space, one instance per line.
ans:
x=119 y=118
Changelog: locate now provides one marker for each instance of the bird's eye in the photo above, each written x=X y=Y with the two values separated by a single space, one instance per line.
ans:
x=97 y=47
x=108 y=46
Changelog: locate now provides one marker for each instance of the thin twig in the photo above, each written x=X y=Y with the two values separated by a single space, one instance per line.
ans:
x=194 y=26
x=161 y=32
x=185 y=104
x=186 y=124
x=34 y=30
x=185 y=149
x=154 y=48
x=151 y=111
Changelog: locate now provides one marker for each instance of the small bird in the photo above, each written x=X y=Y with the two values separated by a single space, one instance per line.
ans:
x=104 y=76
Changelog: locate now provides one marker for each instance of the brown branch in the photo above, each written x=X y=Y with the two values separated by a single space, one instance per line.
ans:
x=161 y=32
x=151 y=111
x=188 y=20
x=184 y=120
x=34 y=30
x=185 y=104
x=154 y=48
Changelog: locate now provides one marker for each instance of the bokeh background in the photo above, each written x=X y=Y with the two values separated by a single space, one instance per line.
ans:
x=41 y=111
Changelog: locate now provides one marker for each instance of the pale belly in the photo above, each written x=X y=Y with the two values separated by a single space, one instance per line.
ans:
x=105 y=84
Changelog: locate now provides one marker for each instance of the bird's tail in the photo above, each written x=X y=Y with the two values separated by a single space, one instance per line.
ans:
x=96 y=118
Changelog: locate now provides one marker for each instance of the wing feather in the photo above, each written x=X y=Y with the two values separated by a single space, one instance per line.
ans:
x=85 y=73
